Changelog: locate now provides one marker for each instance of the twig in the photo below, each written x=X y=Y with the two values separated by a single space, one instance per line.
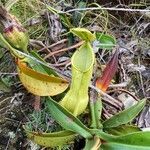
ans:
x=105 y=8
x=5 y=73
x=14 y=133
x=55 y=44
x=106 y=114
x=43 y=45
x=12 y=120
x=123 y=84
x=40 y=43
x=142 y=84
x=125 y=91
x=4 y=100
x=61 y=64
x=4 y=108
x=106 y=95
x=112 y=103
x=64 y=49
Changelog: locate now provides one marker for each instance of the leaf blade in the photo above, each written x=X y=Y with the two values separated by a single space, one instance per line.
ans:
x=118 y=146
x=122 y=130
x=66 y=119
x=51 y=139
x=124 y=116
x=39 y=83
x=135 y=138
x=106 y=41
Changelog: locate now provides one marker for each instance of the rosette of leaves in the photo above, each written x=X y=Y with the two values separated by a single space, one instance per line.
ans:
x=114 y=133
x=76 y=100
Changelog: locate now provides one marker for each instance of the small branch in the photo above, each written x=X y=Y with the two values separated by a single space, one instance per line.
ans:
x=64 y=49
x=105 y=8
x=106 y=114
x=5 y=73
x=120 y=85
x=125 y=91
x=61 y=64
x=55 y=44
x=39 y=43
x=108 y=96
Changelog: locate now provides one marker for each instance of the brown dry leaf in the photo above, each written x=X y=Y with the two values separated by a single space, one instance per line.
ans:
x=40 y=84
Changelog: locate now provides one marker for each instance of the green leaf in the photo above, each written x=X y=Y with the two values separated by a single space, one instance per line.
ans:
x=123 y=129
x=83 y=34
x=96 y=110
x=106 y=41
x=2 y=45
x=125 y=116
x=53 y=10
x=66 y=119
x=39 y=67
x=118 y=146
x=136 y=138
x=51 y=139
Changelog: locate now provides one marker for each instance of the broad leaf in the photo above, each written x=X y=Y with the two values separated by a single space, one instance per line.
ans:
x=136 y=138
x=124 y=116
x=39 y=83
x=38 y=66
x=51 y=139
x=96 y=110
x=123 y=129
x=66 y=119
x=118 y=146
x=105 y=41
